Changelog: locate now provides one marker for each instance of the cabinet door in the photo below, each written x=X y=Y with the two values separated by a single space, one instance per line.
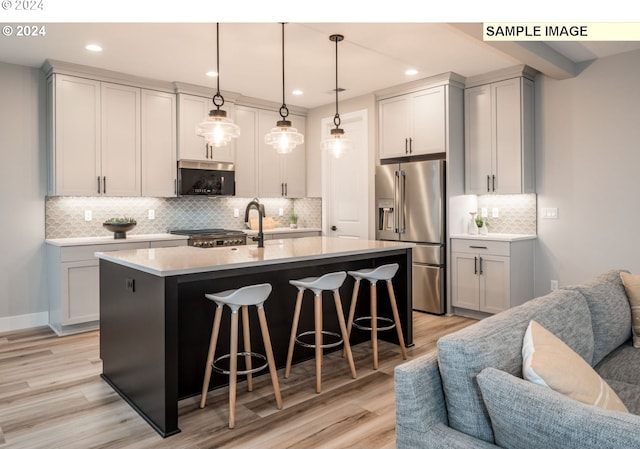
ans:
x=191 y=111
x=80 y=292
x=246 y=152
x=428 y=122
x=465 y=283
x=294 y=175
x=478 y=139
x=393 y=120
x=270 y=178
x=159 y=145
x=120 y=153
x=494 y=284
x=75 y=159
x=507 y=135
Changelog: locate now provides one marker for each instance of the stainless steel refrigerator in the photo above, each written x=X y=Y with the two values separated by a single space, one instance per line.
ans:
x=410 y=207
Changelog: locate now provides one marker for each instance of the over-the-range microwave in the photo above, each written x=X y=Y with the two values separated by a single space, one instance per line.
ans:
x=206 y=178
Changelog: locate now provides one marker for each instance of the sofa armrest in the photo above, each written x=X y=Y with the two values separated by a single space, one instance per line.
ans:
x=419 y=396
x=421 y=412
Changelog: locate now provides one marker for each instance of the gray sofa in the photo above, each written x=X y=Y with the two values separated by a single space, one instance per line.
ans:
x=472 y=395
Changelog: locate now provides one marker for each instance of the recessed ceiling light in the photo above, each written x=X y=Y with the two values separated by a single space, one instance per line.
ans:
x=297 y=92
x=411 y=72
x=93 y=47
x=212 y=73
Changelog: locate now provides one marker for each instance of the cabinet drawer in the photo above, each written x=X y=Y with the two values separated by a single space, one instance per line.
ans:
x=86 y=252
x=481 y=247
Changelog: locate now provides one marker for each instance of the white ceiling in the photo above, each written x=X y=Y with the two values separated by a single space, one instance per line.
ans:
x=373 y=56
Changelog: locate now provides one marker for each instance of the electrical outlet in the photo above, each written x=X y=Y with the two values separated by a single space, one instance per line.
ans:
x=550 y=212
x=88 y=216
x=495 y=213
x=281 y=211
x=484 y=213
x=554 y=284
x=236 y=213
x=152 y=214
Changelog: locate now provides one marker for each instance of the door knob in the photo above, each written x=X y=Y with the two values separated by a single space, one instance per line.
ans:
x=334 y=228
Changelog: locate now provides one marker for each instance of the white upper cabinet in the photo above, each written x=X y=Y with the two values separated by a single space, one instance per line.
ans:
x=192 y=110
x=280 y=175
x=120 y=151
x=159 y=144
x=95 y=138
x=413 y=124
x=246 y=166
x=74 y=139
x=499 y=137
x=108 y=139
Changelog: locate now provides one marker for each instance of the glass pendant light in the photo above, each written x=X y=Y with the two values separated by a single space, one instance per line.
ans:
x=283 y=137
x=337 y=143
x=217 y=129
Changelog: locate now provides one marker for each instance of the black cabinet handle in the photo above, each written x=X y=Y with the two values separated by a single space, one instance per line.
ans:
x=98 y=185
x=481 y=265
x=475 y=265
x=286 y=189
x=410 y=145
x=493 y=181
x=488 y=189
x=477 y=247
x=104 y=185
x=406 y=146
x=334 y=228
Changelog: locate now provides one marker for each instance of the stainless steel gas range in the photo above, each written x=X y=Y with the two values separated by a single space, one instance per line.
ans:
x=211 y=238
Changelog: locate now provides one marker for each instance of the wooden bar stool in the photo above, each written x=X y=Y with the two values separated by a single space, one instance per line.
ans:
x=328 y=282
x=252 y=295
x=373 y=275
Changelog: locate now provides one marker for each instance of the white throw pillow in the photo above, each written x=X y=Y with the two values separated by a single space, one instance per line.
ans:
x=549 y=362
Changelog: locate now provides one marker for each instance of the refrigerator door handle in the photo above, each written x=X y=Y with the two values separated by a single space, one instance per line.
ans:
x=401 y=219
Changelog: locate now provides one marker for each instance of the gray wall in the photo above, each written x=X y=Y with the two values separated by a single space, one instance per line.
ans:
x=22 y=187
x=588 y=166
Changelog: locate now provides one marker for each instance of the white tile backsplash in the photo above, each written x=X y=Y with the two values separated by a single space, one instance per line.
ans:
x=517 y=213
x=65 y=216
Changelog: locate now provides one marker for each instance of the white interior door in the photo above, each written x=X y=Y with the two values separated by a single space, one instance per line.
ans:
x=345 y=184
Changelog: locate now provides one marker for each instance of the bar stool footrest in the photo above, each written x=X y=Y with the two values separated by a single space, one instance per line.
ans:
x=324 y=345
x=254 y=355
x=385 y=327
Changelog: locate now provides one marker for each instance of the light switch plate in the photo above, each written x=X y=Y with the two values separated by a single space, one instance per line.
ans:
x=152 y=214
x=550 y=212
x=236 y=213
x=88 y=216
x=495 y=212
x=280 y=211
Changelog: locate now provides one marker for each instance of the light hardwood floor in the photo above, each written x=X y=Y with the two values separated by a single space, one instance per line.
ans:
x=51 y=396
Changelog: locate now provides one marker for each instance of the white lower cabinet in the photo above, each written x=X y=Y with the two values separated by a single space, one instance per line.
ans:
x=490 y=276
x=74 y=283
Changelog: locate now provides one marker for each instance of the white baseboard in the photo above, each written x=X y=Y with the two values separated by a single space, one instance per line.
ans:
x=14 y=323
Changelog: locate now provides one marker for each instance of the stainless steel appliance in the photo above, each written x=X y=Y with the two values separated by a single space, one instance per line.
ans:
x=211 y=238
x=410 y=207
x=206 y=178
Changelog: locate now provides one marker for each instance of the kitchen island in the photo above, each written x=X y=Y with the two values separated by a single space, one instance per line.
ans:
x=155 y=322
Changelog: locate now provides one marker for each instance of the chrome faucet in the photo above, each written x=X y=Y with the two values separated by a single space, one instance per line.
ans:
x=260 y=208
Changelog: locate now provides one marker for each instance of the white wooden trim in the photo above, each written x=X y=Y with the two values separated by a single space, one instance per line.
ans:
x=17 y=322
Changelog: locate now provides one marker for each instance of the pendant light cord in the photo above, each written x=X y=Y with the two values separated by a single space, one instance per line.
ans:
x=336 y=118
x=217 y=98
x=284 y=111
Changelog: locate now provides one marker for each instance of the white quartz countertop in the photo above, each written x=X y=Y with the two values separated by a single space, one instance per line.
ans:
x=188 y=259
x=131 y=238
x=275 y=231
x=495 y=237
